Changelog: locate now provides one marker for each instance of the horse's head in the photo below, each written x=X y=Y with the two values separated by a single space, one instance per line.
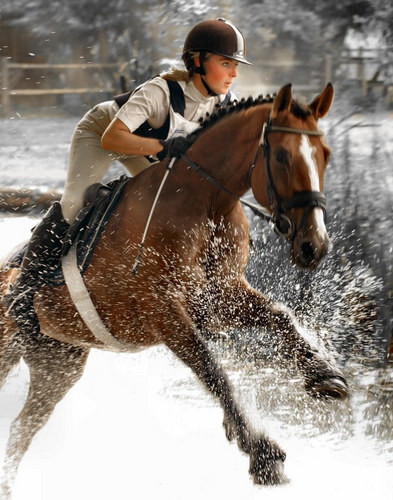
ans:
x=295 y=157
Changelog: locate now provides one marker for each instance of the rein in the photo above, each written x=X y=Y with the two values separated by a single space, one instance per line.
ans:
x=258 y=210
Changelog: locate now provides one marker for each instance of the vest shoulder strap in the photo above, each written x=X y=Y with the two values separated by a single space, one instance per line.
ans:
x=176 y=97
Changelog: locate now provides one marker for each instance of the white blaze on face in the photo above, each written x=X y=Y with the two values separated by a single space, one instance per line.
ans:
x=307 y=151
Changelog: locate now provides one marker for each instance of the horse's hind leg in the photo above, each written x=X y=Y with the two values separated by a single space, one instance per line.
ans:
x=54 y=368
x=11 y=350
x=266 y=457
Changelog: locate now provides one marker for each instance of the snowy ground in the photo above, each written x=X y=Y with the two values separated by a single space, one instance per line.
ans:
x=140 y=426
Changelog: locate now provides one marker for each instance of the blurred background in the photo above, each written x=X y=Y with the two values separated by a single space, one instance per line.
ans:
x=64 y=53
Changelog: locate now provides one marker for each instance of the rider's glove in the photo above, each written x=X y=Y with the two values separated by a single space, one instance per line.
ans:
x=174 y=147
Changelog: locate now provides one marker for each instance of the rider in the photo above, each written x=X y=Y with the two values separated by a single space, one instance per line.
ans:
x=135 y=129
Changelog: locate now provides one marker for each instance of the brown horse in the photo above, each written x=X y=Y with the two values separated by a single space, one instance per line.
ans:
x=190 y=280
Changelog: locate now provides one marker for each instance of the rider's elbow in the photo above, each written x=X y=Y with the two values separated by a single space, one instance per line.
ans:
x=105 y=141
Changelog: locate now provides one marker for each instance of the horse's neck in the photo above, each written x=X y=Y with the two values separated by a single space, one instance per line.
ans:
x=228 y=150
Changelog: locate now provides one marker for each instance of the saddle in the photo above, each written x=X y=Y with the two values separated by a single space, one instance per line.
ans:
x=85 y=231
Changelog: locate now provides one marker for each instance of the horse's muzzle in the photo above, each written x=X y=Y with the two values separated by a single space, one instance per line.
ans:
x=308 y=250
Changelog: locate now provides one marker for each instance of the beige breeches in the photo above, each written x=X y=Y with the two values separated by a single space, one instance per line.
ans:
x=88 y=162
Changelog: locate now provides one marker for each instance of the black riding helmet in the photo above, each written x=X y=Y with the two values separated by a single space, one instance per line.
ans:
x=219 y=37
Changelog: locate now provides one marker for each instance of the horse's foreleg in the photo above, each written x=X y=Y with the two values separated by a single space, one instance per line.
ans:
x=246 y=307
x=266 y=457
x=54 y=368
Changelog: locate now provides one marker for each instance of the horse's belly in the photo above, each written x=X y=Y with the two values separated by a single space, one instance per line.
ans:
x=82 y=341
x=122 y=332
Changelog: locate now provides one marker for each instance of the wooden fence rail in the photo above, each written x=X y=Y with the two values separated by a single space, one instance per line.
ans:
x=8 y=91
x=351 y=66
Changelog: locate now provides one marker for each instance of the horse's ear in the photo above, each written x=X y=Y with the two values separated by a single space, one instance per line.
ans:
x=321 y=104
x=283 y=100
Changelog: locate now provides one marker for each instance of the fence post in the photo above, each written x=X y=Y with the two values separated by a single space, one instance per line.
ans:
x=5 y=93
x=328 y=69
x=361 y=72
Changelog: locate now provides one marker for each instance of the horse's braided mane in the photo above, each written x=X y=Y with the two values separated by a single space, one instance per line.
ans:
x=231 y=107
x=298 y=108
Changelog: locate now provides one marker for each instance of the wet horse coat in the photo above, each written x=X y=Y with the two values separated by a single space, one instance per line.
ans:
x=191 y=275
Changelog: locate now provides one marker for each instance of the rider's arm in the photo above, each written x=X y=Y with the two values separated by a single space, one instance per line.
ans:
x=149 y=103
x=117 y=137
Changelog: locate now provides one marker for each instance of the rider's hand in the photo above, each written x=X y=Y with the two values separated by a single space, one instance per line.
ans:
x=174 y=147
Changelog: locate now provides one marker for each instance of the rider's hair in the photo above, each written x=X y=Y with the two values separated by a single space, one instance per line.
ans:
x=178 y=75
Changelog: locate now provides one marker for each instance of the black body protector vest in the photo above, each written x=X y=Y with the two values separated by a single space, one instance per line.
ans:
x=178 y=104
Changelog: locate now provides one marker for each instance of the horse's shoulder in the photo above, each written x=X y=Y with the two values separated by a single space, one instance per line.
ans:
x=236 y=218
x=233 y=226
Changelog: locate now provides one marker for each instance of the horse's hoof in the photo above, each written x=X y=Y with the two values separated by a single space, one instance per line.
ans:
x=267 y=464
x=329 y=387
x=271 y=474
x=5 y=491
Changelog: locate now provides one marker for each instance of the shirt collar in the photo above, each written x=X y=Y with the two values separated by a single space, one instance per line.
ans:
x=194 y=94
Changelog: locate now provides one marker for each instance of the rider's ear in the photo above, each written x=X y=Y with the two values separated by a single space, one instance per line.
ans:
x=197 y=62
x=283 y=100
x=321 y=104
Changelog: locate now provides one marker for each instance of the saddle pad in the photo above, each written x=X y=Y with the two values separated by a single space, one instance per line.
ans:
x=86 y=230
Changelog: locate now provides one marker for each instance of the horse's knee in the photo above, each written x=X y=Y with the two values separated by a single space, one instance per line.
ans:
x=281 y=315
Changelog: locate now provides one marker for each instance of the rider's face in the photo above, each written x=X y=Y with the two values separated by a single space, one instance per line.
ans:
x=220 y=72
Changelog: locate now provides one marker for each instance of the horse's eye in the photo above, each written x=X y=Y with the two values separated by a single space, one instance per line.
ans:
x=282 y=156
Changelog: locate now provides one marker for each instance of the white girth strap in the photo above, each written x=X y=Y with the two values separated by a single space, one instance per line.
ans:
x=83 y=303
x=80 y=295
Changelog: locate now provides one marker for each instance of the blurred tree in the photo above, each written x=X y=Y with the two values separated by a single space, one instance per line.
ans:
x=76 y=21
x=382 y=24
x=154 y=29
x=307 y=26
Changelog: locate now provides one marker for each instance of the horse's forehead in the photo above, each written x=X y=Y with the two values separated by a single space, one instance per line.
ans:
x=302 y=120
x=293 y=140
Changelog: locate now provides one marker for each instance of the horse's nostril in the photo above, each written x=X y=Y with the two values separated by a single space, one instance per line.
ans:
x=307 y=250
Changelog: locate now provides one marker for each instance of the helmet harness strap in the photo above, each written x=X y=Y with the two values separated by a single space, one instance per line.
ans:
x=202 y=72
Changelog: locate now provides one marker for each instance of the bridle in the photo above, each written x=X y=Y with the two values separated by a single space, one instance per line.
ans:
x=301 y=199
x=279 y=206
